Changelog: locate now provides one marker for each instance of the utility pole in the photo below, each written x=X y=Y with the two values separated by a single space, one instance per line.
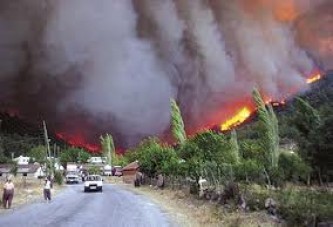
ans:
x=47 y=143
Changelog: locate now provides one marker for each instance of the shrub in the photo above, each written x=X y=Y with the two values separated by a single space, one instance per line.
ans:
x=293 y=167
x=94 y=170
x=58 y=177
x=14 y=169
x=301 y=207
x=249 y=170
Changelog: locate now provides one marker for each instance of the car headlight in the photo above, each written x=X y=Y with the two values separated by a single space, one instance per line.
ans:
x=86 y=184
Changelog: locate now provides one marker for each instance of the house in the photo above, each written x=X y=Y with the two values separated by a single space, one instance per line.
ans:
x=23 y=170
x=21 y=160
x=97 y=160
x=130 y=171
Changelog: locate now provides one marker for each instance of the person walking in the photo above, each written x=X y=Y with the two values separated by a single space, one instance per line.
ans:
x=47 y=189
x=8 y=193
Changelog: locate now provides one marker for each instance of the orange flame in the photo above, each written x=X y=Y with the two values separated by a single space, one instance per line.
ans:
x=245 y=112
x=236 y=120
x=314 y=78
x=78 y=141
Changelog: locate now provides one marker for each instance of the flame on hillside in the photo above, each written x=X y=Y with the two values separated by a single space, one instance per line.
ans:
x=236 y=120
x=78 y=141
x=246 y=111
x=314 y=78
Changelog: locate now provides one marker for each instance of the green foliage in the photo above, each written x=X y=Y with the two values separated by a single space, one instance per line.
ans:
x=177 y=123
x=4 y=159
x=234 y=145
x=249 y=170
x=252 y=149
x=58 y=177
x=270 y=134
x=108 y=147
x=300 y=207
x=14 y=169
x=94 y=170
x=74 y=155
x=293 y=167
x=154 y=157
x=206 y=147
x=119 y=160
x=38 y=154
x=307 y=121
x=18 y=144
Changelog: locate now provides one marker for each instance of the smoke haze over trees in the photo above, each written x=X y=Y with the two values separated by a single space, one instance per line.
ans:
x=90 y=67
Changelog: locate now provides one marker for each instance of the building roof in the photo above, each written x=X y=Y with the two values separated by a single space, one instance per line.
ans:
x=132 y=166
x=29 y=168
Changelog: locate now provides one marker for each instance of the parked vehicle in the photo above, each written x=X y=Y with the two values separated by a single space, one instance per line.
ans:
x=107 y=170
x=72 y=177
x=117 y=171
x=93 y=182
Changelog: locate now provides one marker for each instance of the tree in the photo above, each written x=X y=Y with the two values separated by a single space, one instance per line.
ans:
x=74 y=155
x=108 y=147
x=177 y=123
x=307 y=122
x=156 y=158
x=270 y=134
x=234 y=145
x=207 y=153
x=38 y=154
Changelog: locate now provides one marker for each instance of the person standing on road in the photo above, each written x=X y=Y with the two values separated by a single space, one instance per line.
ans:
x=47 y=190
x=8 y=193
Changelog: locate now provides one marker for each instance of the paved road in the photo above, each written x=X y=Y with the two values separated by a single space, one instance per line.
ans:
x=72 y=207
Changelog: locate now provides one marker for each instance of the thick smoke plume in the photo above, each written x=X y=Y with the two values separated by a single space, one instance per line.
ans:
x=90 y=67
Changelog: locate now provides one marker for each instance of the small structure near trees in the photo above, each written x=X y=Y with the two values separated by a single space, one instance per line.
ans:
x=130 y=171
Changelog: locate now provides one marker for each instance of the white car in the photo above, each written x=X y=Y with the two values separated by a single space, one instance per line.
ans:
x=72 y=177
x=93 y=183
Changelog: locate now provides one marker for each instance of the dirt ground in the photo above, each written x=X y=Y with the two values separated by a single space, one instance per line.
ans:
x=27 y=190
x=186 y=210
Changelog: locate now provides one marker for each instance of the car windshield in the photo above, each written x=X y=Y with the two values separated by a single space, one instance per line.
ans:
x=94 y=178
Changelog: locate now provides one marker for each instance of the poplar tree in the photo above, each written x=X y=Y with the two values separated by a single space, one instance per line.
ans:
x=234 y=145
x=108 y=147
x=268 y=119
x=177 y=123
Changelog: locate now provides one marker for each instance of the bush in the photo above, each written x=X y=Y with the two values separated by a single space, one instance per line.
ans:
x=156 y=158
x=249 y=170
x=293 y=167
x=298 y=207
x=94 y=170
x=276 y=176
x=14 y=169
x=58 y=177
x=302 y=207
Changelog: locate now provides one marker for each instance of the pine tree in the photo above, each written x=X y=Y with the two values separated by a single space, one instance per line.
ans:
x=177 y=123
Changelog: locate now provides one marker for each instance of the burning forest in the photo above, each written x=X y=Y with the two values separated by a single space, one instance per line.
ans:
x=91 y=67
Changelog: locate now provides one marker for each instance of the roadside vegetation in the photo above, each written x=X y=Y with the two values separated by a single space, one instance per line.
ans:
x=280 y=164
x=277 y=164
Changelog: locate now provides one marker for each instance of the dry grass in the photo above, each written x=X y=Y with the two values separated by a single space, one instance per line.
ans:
x=187 y=211
x=27 y=191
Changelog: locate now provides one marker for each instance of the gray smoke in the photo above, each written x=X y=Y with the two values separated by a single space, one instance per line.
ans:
x=90 y=67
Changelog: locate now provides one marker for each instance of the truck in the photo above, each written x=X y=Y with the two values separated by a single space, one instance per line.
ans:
x=72 y=174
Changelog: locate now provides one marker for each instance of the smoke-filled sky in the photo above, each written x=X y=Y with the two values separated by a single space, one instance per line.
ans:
x=90 y=67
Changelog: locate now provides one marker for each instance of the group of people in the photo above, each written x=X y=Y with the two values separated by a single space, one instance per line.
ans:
x=8 y=191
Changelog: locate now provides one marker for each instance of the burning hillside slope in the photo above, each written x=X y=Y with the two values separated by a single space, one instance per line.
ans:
x=113 y=66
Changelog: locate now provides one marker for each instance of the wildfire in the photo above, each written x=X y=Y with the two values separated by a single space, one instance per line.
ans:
x=236 y=120
x=245 y=112
x=78 y=141
x=314 y=78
